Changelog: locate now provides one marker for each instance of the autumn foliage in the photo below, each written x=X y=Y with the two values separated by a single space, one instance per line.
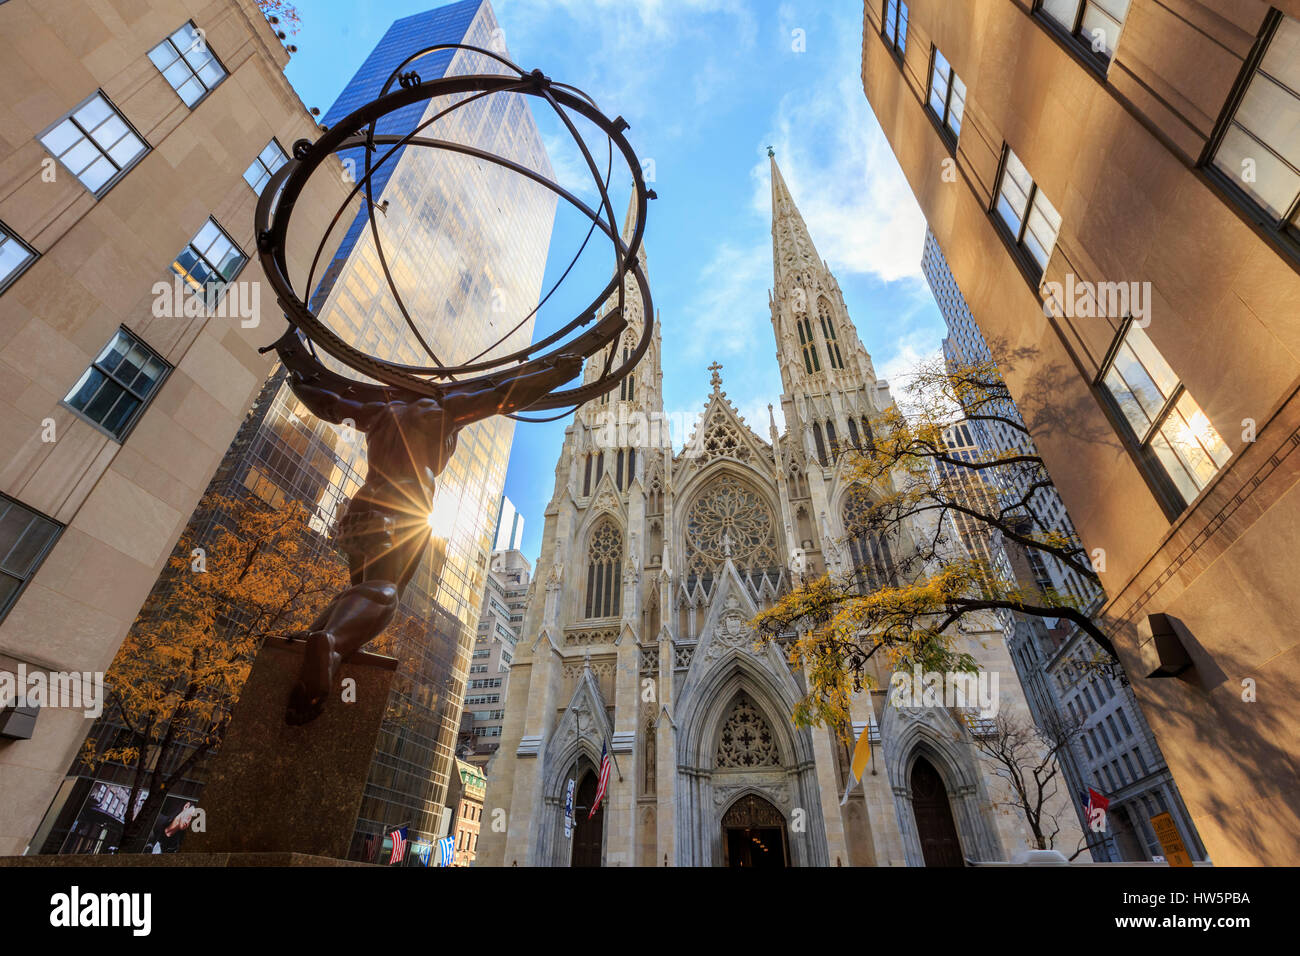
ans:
x=856 y=624
x=241 y=573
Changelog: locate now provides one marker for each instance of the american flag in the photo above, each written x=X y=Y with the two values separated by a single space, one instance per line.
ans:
x=399 y=846
x=603 y=783
x=1095 y=802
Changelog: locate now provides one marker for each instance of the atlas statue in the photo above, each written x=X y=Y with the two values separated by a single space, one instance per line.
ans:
x=411 y=415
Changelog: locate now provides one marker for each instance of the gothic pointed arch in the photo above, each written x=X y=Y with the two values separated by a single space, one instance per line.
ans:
x=728 y=516
x=870 y=552
x=932 y=733
x=603 y=588
x=746 y=741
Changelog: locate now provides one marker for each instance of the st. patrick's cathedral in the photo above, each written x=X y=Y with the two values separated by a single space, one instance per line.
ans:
x=637 y=638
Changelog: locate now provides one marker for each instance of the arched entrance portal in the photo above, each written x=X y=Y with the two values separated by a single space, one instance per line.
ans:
x=753 y=834
x=934 y=824
x=588 y=835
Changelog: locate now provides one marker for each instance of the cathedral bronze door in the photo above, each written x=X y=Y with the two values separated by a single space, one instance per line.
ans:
x=753 y=834
x=588 y=835
x=940 y=844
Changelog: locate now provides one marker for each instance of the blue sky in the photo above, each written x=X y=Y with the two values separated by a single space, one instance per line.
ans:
x=706 y=85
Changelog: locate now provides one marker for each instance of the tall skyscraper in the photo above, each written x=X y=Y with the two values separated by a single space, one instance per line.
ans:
x=1115 y=753
x=500 y=629
x=466 y=278
x=639 y=645
x=1115 y=187
x=510 y=527
x=965 y=344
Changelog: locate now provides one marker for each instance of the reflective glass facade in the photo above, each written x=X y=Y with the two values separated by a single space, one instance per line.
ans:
x=466 y=243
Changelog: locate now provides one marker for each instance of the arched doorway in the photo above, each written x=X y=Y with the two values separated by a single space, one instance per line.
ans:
x=940 y=844
x=753 y=834
x=588 y=835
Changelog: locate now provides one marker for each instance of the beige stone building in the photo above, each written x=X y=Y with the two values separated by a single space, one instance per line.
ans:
x=1115 y=185
x=134 y=141
x=636 y=639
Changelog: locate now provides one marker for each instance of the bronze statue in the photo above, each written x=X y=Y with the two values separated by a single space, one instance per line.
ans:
x=385 y=530
x=412 y=414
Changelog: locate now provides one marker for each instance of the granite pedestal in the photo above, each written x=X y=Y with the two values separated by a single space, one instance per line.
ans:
x=276 y=789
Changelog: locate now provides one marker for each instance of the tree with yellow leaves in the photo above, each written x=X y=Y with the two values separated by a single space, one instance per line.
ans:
x=911 y=584
x=259 y=573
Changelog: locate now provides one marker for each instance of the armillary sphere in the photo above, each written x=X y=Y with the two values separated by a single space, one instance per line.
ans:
x=585 y=334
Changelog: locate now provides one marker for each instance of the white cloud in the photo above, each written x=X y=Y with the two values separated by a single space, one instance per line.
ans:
x=727 y=317
x=845 y=181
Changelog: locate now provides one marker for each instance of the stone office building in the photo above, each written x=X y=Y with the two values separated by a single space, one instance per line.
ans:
x=1116 y=186
x=135 y=140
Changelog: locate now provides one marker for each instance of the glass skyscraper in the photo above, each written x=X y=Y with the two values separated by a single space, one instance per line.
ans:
x=467 y=244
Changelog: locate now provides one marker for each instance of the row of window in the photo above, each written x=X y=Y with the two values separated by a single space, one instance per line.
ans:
x=1172 y=437
x=98 y=145
x=594 y=467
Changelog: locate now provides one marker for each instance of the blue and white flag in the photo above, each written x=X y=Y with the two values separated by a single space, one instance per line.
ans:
x=424 y=851
x=446 y=850
x=568 y=810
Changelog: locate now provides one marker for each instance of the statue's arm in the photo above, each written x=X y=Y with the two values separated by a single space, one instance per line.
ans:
x=331 y=406
x=471 y=403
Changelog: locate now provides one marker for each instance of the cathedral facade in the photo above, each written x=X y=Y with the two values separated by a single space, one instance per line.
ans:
x=636 y=640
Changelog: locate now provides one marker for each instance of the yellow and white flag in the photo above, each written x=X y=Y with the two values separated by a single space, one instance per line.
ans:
x=861 y=757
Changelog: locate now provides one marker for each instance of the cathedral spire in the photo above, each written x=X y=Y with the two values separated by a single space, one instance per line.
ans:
x=793 y=251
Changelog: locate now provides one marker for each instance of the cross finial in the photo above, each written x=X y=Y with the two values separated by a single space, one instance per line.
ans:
x=771 y=152
x=716 y=379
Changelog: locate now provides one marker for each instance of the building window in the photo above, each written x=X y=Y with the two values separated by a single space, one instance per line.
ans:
x=15 y=257
x=264 y=166
x=873 y=563
x=1176 y=440
x=604 y=571
x=895 y=25
x=947 y=95
x=210 y=260
x=115 y=389
x=187 y=63
x=828 y=330
x=1032 y=222
x=1255 y=148
x=1094 y=24
x=811 y=363
x=25 y=539
x=95 y=143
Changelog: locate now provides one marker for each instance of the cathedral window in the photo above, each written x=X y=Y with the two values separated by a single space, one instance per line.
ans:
x=854 y=438
x=730 y=519
x=811 y=363
x=821 y=445
x=627 y=387
x=873 y=563
x=828 y=330
x=618 y=471
x=747 y=741
x=586 y=478
x=631 y=465
x=832 y=438
x=867 y=433
x=604 y=570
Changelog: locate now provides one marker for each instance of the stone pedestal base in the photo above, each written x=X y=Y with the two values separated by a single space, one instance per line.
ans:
x=277 y=789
